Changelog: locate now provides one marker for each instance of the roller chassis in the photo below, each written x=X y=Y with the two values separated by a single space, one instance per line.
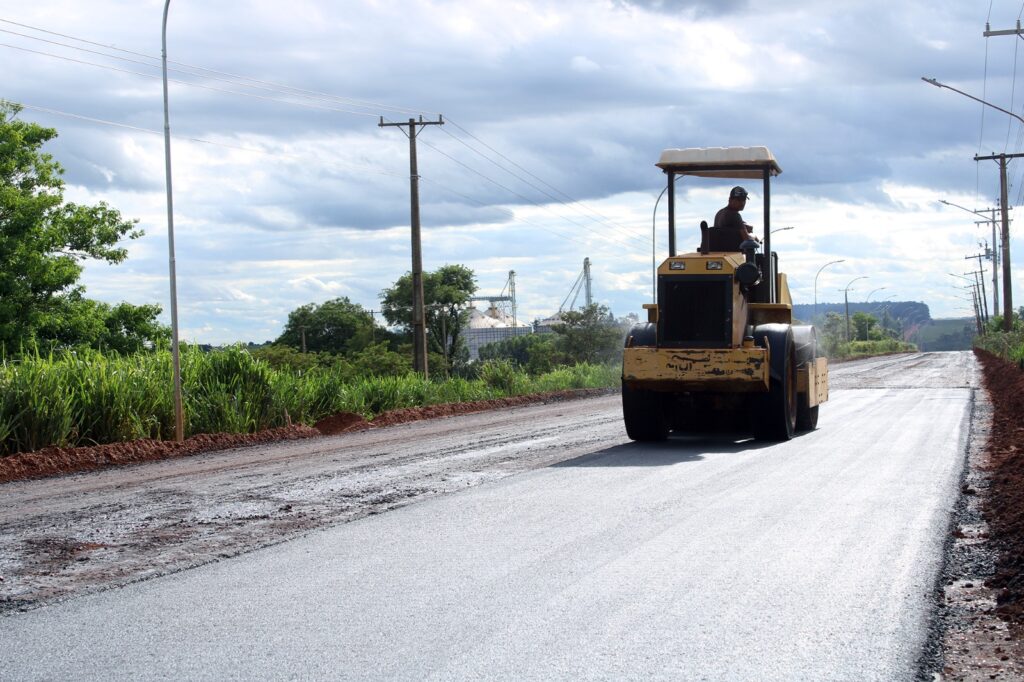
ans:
x=719 y=350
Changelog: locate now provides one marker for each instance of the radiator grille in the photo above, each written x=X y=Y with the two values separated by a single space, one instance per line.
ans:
x=694 y=311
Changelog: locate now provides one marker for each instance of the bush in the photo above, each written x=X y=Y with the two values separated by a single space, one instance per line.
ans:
x=499 y=374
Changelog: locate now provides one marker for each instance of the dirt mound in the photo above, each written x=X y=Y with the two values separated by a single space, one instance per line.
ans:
x=411 y=414
x=1005 y=504
x=341 y=422
x=55 y=461
x=52 y=461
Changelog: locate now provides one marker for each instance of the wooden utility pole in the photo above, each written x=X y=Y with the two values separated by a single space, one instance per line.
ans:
x=1005 y=237
x=977 y=312
x=992 y=253
x=979 y=278
x=1007 y=293
x=419 y=320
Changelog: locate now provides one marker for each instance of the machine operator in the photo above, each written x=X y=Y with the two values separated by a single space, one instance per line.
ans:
x=733 y=231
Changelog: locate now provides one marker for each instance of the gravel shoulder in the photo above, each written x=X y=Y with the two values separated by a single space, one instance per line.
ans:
x=85 y=532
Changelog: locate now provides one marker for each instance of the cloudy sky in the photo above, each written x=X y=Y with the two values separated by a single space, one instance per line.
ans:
x=287 y=192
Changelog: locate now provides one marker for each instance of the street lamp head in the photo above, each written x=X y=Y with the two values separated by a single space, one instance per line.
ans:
x=854 y=280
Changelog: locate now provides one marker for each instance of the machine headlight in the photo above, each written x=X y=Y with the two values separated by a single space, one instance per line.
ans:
x=677 y=265
x=714 y=265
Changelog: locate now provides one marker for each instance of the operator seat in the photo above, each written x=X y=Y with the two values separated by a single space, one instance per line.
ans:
x=724 y=240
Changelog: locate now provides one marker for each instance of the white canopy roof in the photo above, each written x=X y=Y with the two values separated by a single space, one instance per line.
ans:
x=711 y=162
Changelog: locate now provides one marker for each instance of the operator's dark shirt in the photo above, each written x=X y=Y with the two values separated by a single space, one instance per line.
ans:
x=727 y=234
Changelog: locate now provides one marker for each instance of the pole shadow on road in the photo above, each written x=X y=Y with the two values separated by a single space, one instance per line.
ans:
x=678 y=449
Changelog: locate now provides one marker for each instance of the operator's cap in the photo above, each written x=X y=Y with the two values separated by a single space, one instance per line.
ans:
x=738 y=193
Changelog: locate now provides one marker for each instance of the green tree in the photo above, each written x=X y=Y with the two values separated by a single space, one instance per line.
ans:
x=537 y=353
x=380 y=361
x=863 y=326
x=44 y=239
x=589 y=335
x=283 y=357
x=445 y=292
x=833 y=334
x=336 y=326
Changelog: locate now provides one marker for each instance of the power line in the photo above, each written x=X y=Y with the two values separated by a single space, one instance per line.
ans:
x=524 y=198
x=289 y=92
x=575 y=239
x=372 y=169
x=256 y=150
x=187 y=83
x=530 y=184
x=981 y=130
x=281 y=87
x=538 y=179
x=508 y=213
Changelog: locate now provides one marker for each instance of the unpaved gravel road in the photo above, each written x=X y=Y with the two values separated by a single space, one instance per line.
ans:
x=79 y=533
x=709 y=557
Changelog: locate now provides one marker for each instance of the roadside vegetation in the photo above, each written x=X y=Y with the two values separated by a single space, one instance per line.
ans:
x=865 y=335
x=76 y=371
x=1007 y=345
x=91 y=398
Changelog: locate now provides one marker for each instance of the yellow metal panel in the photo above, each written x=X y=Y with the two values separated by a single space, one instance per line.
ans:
x=680 y=369
x=821 y=379
x=697 y=264
x=812 y=379
x=763 y=313
x=782 y=287
x=739 y=315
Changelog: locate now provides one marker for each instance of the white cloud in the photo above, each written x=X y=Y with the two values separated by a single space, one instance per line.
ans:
x=321 y=208
x=583 y=65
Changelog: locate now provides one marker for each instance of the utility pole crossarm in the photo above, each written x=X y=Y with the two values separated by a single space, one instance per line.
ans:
x=997 y=157
x=1006 y=32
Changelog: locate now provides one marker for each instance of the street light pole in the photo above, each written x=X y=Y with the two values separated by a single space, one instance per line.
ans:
x=179 y=417
x=654 y=246
x=846 y=300
x=872 y=294
x=842 y=260
x=654 y=241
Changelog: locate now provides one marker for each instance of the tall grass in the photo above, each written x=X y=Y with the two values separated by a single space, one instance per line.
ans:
x=1008 y=345
x=84 y=399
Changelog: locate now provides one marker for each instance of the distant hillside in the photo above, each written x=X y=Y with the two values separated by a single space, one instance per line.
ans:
x=911 y=314
x=947 y=334
x=913 y=317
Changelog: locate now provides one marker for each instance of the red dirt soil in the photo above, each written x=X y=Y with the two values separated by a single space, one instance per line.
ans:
x=55 y=461
x=1005 y=504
